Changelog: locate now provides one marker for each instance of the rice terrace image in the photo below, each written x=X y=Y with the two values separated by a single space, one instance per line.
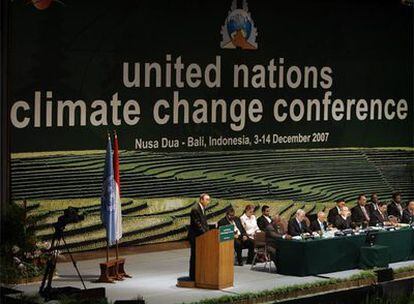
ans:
x=159 y=189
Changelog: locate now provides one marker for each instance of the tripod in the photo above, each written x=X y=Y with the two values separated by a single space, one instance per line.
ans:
x=58 y=237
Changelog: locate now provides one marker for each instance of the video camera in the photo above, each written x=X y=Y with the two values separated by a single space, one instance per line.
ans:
x=70 y=215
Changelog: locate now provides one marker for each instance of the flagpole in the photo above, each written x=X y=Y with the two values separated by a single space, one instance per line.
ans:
x=117 y=181
x=107 y=240
x=107 y=250
x=108 y=269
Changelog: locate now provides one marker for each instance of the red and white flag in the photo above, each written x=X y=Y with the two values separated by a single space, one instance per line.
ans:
x=118 y=212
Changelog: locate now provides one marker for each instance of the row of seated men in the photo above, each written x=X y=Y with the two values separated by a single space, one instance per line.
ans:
x=339 y=217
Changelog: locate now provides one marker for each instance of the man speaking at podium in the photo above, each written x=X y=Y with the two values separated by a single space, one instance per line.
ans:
x=198 y=226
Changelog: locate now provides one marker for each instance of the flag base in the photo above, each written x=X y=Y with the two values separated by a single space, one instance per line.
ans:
x=121 y=269
x=108 y=272
x=113 y=270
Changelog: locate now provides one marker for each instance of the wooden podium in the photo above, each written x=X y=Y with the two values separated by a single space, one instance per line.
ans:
x=215 y=258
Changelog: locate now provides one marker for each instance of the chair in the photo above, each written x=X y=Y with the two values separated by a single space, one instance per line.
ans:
x=260 y=248
x=307 y=221
x=284 y=226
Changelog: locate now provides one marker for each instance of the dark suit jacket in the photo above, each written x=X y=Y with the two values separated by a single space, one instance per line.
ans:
x=198 y=222
x=357 y=216
x=392 y=209
x=224 y=222
x=371 y=207
x=332 y=215
x=315 y=225
x=377 y=218
x=294 y=228
x=262 y=222
x=273 y=233
x=407 y=217
x=342 y=224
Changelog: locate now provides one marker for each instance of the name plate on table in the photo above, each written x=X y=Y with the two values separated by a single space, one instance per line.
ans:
x=226 y=233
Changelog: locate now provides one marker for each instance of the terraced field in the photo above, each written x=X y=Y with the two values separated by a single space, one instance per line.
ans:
x=159 y=189
x=298 y=175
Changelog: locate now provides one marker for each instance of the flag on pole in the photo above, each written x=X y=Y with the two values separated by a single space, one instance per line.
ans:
x=108 y=213
x=118 y=210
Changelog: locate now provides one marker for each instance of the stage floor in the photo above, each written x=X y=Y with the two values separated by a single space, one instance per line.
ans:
x=155 y=275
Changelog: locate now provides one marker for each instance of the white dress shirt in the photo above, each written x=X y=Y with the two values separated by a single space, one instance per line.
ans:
x=249 y=224
x=202 y=208
x=321 y=225
x=365 y=212
x=400 y=208
x=299 y=223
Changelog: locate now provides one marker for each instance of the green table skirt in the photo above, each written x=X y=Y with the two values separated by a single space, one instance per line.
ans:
x=312 y=257
x=374 y=256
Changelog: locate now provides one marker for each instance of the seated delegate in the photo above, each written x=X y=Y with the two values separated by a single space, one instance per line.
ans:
x=408 y=213
x=360 y=214
x=297 y=225
x=395 y=208
x=320 y=224
x=343 y=219
x=264 y=219
x=249 y=222
x=335 y=211
x=380 y=217
x=241 y=240
x=274 y=230
x=374 y=203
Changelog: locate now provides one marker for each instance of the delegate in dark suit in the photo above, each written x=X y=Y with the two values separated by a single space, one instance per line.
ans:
x=378 y=218
x=316 y=226
x=395 y=210
x=273 y=232
x=262 y=222
x=407 y=217
x=342 y=223
x=239 y=243
x=332 y=215
x=371 y=208
x=358 y=216
x=198 y=226
x=295 y=229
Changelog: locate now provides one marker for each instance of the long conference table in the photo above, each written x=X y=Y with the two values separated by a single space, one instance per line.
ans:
x=319 y=255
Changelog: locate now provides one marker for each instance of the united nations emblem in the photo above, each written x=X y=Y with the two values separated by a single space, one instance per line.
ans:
x=238 y=29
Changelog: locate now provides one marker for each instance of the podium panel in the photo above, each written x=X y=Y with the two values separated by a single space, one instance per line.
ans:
x=215 y=259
